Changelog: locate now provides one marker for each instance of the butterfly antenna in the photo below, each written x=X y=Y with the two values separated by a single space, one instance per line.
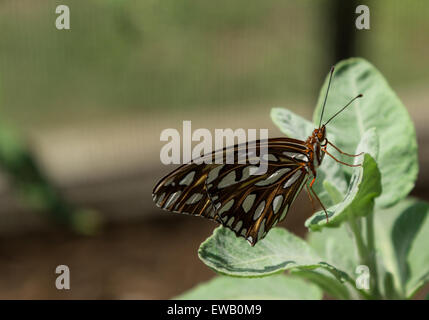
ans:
x=358 y=96
x=326 y=96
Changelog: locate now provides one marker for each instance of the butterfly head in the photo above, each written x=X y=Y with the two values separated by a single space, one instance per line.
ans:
x=320 y=134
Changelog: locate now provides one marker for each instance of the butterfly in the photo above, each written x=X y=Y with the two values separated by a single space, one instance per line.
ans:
x=249 y=204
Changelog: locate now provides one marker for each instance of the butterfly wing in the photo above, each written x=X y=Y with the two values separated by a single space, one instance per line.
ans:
x=184 y=191
x=250 y=205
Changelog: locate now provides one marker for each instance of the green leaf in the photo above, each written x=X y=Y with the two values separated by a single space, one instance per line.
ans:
x=402 y=236
x=297 y=127
x=379 y=108
x=291 y=124
x=336 y=247
x=326 y=282
x=389 y=286
x=365 y=186
x=336 y=195
x=280 y=250
x=276 y=287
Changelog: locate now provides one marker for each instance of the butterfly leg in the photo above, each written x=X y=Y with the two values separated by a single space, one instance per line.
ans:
x=342 y=152
x=346 y=164
x=310 y=197
x=315 y=195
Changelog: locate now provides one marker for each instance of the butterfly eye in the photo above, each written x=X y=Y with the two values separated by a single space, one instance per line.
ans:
x=321 y=136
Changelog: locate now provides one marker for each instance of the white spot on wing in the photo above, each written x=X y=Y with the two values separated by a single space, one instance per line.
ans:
x=269 y=157
x=302 y=157
x=259 y=210
x=245 y=173
x=238 y=226
x=273 y=177
x=186 y=181
x=213 y=174
x=248 y=202
x=275 y=223
x=277 y=203
x=292 y=179
x=169 y=181
x=212 y=212
x=159 y=200
x=226 y=207
x=284 y=212
x=299 y=189
x=194 y=198
x=296 y=155
x=172 y=198
x=227 y=181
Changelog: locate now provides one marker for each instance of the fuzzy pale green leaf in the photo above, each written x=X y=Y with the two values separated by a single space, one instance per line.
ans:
x=291 y=124
x=336 y=247
x=280 y=250
x=402 y=239
x=379 y=108
x=365 y=186
x=276 y=287
x=297 y=127
x=326 y=282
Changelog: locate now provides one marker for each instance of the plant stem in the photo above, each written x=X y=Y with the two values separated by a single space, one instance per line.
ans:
x=362 y=252
x=366 y=252
x=372 y=261
x=360 y=245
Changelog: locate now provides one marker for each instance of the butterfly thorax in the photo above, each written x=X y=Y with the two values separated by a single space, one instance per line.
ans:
x=314 y=144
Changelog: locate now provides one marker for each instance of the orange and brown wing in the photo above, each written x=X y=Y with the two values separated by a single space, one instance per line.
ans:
x=184 y=191
x=250 y=205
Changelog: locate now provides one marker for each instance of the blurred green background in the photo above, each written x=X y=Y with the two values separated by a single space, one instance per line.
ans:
x=170 y=55
x=81 y=111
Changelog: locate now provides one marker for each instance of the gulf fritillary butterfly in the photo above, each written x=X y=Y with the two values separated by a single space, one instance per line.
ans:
x=249 y=205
